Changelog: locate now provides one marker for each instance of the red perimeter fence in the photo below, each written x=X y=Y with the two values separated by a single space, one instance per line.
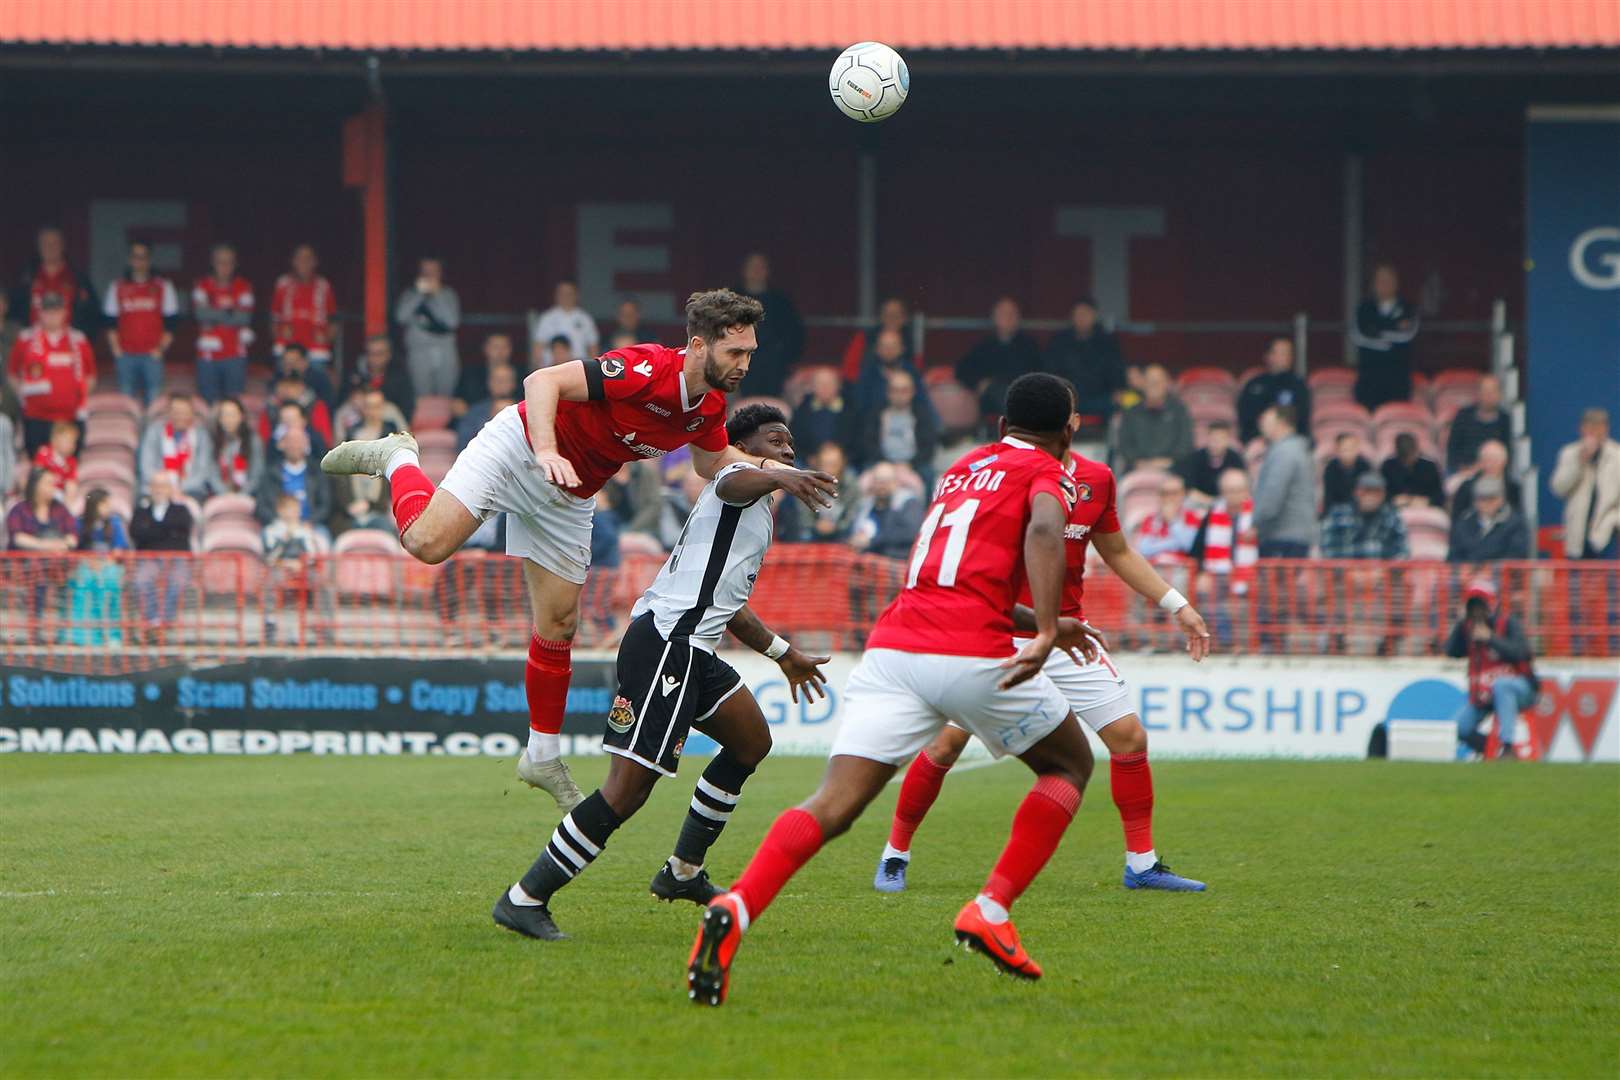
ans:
x=94 y=612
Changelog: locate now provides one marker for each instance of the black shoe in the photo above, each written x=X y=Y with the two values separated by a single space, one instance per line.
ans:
x=532 y=922
x=666 y=886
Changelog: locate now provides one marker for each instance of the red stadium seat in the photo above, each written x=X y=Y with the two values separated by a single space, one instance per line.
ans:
x=1330 y=376
x=225 y=535
x=103 y=402
x=1345 y=410
x=112 y=429
x=1248 y=373
x=1206 y=376
x=436 y=462
x=1384 y=438
x=432 y=412
x=956 y=405
x=101 y=471
x=436 y=439
x=1402 y=411
x=1465 y=379
x=365 y=563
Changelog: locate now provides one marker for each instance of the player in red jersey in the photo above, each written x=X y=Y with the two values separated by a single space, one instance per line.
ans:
x=943 y=650
x=542 y=462
x=1095 y=690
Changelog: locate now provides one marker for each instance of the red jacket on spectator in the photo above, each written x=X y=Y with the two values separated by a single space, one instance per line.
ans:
x=52 y=372
x=217 y=340
x=144 y=309
x=65 y=468
x=301 y=313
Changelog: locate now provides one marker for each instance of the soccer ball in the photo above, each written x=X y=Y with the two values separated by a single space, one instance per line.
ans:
x=869 y=82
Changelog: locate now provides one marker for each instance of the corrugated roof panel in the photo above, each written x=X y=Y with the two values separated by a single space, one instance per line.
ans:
x=748 y=24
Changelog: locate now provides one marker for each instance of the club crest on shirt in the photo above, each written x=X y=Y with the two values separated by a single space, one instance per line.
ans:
x=612 y=367
x=622 y=717
x=1085 y=492
x=695 y=424
x=680 y=744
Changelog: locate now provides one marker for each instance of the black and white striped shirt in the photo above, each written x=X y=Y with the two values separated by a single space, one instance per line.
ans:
x=711 y=572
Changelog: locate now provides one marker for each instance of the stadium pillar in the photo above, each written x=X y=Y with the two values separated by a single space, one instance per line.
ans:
x=365 y=166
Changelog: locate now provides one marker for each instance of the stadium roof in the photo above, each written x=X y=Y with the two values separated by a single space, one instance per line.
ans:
x=708 y=25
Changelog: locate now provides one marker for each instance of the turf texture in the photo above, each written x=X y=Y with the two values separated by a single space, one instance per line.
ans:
x=330 y=917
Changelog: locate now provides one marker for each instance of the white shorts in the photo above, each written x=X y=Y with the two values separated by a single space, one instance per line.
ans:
x=544 y=524
x=896 y=702
x=1097 y=692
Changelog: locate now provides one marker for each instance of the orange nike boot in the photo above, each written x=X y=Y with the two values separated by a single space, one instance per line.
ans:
x=997 y=941
x=708 y=970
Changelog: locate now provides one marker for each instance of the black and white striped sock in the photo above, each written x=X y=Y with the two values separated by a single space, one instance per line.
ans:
x=712 y=803
x=577 y=841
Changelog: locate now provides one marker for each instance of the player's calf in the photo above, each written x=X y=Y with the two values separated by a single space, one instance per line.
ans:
x=715 y=797
x=577 y=841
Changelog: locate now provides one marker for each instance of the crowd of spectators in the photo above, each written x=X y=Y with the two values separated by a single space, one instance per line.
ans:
x=1215 y=472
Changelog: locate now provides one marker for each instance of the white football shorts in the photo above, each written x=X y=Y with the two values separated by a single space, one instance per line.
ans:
x=544 y=524
x=896 y=702
x=1097 y=692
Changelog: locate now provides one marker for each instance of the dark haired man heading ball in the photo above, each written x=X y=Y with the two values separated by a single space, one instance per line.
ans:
x=941 y=652
x=670 y=680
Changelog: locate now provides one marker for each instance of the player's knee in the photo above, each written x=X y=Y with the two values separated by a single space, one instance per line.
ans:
x=751 y=751
x=946 y=748
x=627 y=792
x=556 y=624
x=1125 y=736
x=425 y=548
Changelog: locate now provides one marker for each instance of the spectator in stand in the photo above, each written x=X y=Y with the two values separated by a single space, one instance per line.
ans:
x=1347 y=465
x=886 y=356
x=627 y=324
x=1158 y=431
x=781 y=332
x=179 y=445
x=1489 y=530
x=1492 y=462
x=1278 y=384
x=564 y=319
x=1476 y=424
x=296 y=475
x=605 y=532
x=638 y=497
x=222 y=303
x=362 y=501
x=502 y=390
x=289 y=538
x=680 y=495
x=1226 y=551
x=833 y=525
x=1285 y=490
x=290 y=391
x=559 y=351
x=1500 y=678
x=904 y=431
x=10 y=404
x=295 y=361
x=888 y=518
x=238 y=453
x=1383 y=333
x=472 y=385
x=1587 y=478
x=289 y=416
x=54 y=370
x=161 y=523
x=41 y=522
x=1167 y=534
x=893 y=314
x=1088 y=356
x=49 y=272
x=1201 y=470
x=301 y=308
x=60 y=457
x=143 y=309
x=1411 y=478
x=429 y=312
x=1000 y=357
x=823 y=415
x=377 y=371
x=376 y=420
x=96 y=587
x=1366 y=528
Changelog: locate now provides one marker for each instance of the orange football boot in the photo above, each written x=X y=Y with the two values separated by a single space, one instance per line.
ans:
x=708 y=970
x=999 y=943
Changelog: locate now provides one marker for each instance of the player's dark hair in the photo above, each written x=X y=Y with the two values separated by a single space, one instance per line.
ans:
x=750 y=418
x=710 y=314
x=1040 y=403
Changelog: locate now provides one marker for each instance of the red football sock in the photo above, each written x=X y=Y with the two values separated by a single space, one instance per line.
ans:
x=1036 y=829
x=917 y=793
x=545 y=680
x=794 y=837
x=1132 y=784
x=412 y=491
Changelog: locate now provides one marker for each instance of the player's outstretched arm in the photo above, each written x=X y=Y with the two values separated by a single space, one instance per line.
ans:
x=801 y=669
x=815 y=489
x=541 y=391
x=1043 y=563
x=1138 y=573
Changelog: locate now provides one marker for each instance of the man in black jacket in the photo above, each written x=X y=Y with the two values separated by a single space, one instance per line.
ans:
x=781 y=333
x=161 y=523
x=1088 y=356
x=1201 y=470
x=1411 y=478
x=1279 y=384
x=1385 y=328
x=998 y=358
x=1500 y=677
x=1490 y=529
x=1477 y=424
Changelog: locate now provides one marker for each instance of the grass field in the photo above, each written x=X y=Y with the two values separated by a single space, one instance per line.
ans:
x=321 y=916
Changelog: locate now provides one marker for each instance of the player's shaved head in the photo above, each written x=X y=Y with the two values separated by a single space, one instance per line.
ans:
x=1039 y=403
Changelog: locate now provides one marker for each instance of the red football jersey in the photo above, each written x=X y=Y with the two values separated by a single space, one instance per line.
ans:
x=65 y=468
x=967 y=567
x=301 y=313
x=140 y=308
x=52 y=373
x=63 y=283
x=1093 y=512
x=638 y=409
x=216 y=341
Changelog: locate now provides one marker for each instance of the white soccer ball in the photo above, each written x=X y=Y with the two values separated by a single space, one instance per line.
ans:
x=869 y=82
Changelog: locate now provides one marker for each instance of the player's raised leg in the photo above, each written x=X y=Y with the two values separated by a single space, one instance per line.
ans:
x=745 y=738
x=432 y=524
x=554 y=606
x=918 y=791
x=1131 y=783
x=1062 y=764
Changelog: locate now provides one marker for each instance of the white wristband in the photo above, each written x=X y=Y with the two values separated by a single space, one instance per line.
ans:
x=1172 y=601
x=777 y=648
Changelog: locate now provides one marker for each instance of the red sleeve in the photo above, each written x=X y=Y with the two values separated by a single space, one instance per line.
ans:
x=1051 y=482
x=14 y=362
x=42 y=455
x=712 y=439
x=621 y=374
x=1109 y=521
x=87 y=358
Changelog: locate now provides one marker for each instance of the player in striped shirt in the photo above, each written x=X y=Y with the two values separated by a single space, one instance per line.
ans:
x=670 y=680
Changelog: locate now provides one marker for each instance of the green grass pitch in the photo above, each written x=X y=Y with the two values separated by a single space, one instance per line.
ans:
x=329 y=917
